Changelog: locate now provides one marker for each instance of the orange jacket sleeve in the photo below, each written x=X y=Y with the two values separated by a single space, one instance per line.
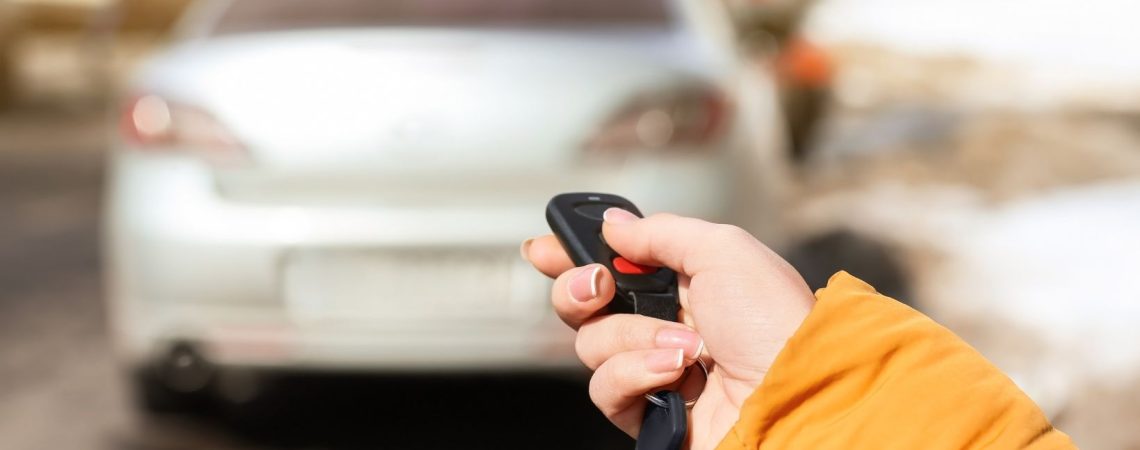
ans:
x=867 y=372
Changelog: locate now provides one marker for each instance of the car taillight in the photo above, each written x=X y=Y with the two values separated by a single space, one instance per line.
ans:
x=152 y=123
x=677 y=120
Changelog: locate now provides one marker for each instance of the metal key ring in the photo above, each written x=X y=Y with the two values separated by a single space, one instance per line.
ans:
x=688 y=403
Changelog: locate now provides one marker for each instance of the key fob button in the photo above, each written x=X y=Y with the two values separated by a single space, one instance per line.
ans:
x=593 y=210
x=628 y=267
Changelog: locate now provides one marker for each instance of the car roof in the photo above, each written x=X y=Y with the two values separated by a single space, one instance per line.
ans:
x=201 y=17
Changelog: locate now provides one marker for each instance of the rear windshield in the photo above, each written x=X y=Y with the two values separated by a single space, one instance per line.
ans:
x=270 y=15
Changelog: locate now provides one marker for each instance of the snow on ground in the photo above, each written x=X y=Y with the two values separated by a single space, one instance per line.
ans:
x=1021 y=232
x=995 y=143
x=1063 y=49
x=1045 y=286
x=1062 y=267
x=1094 y=36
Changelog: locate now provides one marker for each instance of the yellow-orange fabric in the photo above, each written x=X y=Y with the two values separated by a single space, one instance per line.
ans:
x=867 y=372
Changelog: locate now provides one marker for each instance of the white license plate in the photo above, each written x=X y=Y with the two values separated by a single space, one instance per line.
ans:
x=437 y=285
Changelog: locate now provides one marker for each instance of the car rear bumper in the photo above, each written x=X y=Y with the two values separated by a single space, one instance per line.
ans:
x=186 y=265
x=269 y=339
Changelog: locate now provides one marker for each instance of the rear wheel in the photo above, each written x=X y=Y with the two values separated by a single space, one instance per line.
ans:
x=819 y=257
x=153 y=395
x=179 y=382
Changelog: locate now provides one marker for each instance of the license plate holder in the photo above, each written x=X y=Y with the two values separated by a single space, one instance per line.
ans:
x=398 y=285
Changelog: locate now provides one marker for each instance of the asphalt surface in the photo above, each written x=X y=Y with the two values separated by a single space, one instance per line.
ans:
x=60 y=387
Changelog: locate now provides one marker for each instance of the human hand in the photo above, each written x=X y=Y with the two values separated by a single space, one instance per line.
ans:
x=740 y=302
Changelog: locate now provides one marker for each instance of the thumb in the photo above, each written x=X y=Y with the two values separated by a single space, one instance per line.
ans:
x=684 y=244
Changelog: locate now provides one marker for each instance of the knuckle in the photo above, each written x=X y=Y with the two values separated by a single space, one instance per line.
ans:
x=633 y=332
x=626 y=331
x=603 y=337
x=730 y=235
x=556 y=290
x=582 y=348
x=583 y=344
x=602 y=394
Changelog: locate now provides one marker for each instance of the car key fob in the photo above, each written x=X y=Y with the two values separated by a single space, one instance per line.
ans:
x=664 y=427
x=576 y=220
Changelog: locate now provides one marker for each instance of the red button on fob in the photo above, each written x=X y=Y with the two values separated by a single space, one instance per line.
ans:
x=628 y=267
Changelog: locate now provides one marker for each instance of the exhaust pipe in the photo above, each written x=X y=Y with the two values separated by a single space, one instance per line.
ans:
x=184 y=370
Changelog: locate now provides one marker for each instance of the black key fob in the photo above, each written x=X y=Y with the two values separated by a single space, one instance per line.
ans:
x=664 y=427
x=576 y=220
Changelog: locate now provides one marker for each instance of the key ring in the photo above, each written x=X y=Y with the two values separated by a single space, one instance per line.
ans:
x=688 y=403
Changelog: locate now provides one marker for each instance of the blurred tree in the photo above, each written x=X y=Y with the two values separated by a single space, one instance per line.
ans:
x=149 y=15
x=778 y=19
x=91 y=30
x=8 y=23
x=772 y=27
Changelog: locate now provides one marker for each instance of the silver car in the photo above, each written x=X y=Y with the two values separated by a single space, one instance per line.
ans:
x=343 y=184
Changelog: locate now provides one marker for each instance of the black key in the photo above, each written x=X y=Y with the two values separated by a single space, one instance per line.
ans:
x=576 y=220
x=664 y=428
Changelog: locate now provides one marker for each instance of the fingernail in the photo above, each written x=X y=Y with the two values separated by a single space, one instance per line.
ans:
x=686 y=340
x=584 y=285
x=524 y=248
x=662 y=361
x=618 y=216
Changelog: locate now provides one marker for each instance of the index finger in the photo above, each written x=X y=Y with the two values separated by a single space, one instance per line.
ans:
x=547 y=255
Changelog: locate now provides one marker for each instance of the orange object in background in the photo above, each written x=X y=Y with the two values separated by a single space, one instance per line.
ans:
x=805 y=64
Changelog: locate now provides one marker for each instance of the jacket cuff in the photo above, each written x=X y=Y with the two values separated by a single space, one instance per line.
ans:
x=865 y=371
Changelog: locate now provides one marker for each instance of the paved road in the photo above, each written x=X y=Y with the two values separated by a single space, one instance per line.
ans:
x=59 y=388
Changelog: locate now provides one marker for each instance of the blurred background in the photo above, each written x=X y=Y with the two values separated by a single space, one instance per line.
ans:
x=286 y=224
